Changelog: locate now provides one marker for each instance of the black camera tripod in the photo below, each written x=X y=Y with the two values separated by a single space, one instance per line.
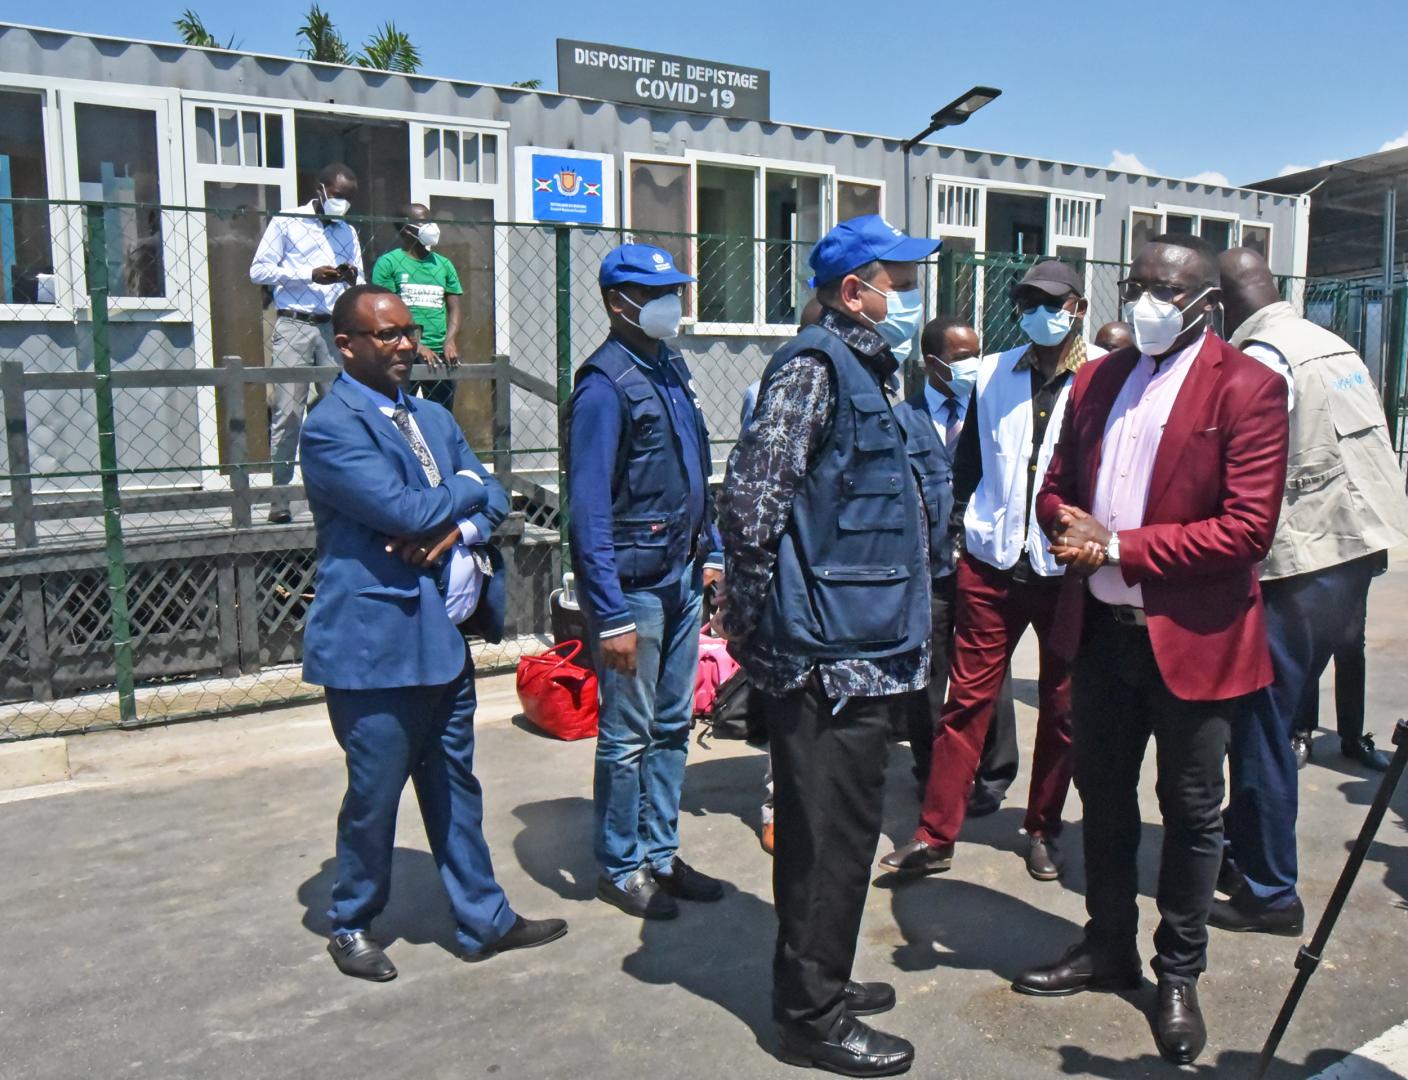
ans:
x=1308 y=958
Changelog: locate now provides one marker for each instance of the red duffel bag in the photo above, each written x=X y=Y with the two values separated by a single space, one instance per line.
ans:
x=558 y=696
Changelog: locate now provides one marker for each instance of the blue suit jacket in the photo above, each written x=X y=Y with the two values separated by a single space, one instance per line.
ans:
x=376 y=621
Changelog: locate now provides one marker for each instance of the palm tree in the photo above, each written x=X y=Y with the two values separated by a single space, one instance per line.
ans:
x=321 y=41
x=389 y=50
x=193 y=32
x=528 y=84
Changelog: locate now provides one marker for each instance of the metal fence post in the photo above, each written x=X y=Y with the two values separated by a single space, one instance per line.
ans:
x=114 y=550
x=564 y=378
x=948 y=285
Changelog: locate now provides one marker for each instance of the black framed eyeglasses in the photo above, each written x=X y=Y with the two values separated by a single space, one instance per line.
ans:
x=392 y=334
x=1132 y=289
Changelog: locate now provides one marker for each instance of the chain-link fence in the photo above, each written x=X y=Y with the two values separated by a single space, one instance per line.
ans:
x=141 y=576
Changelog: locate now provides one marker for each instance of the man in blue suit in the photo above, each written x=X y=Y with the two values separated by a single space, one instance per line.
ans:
x=404 y=511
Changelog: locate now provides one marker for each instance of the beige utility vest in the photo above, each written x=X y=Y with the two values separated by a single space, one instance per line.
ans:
x=1344 y=492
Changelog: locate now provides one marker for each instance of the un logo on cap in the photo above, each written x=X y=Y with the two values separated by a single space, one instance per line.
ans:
x=662 y=261
x=892 y=228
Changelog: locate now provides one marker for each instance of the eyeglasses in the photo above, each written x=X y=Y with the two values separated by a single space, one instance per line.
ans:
x=1132 y=289
x=393 y=334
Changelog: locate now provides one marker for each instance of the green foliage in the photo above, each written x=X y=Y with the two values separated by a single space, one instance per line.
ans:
x=528 y=84
x=321 y=41
x=193 y=32
x=389 y=50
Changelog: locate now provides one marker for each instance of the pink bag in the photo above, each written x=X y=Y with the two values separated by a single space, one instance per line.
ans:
x=715 y=666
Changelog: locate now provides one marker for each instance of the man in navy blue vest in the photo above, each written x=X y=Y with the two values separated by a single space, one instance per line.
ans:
x=643 y=542
x=828 y=612
x=404 y=511
x=932 y=418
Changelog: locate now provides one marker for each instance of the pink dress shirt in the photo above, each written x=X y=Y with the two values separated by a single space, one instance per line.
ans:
x=1131 y=443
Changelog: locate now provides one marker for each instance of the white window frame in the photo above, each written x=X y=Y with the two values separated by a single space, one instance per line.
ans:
x=865 y=181
x=66 y=287
x=1161 y=210
x=170 y=192
x=1257 y=223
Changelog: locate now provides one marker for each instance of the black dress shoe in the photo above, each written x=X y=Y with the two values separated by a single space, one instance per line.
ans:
x=683 y=882
x=638 y=895
x=1300 y=747
x=1229 y=876
x=917 y=859
x=982 y=803
x=359 y=956
x=1041 y=863
x=1179 y=1031
x=523 y=934
x=280 y=517
x=853 y=1048
x=867 y=999
x=1243 y=915
x=1077 y=971
x=1365 y=752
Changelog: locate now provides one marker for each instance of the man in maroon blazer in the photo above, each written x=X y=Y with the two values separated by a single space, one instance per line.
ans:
x=1162 y=497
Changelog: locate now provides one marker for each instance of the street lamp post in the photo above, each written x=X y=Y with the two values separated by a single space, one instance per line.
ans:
x=954 y=113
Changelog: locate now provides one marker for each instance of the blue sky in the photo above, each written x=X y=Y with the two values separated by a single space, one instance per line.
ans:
x=1243 y=88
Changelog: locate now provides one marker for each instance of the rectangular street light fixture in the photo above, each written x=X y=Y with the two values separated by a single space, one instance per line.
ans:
x=956 y=112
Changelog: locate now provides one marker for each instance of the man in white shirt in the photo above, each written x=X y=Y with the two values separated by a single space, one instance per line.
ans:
x=308 y=262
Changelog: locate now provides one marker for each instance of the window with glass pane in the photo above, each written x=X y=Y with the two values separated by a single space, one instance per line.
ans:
x=727 y=270
x=431 y=164
x=470 y=147
x=1180 y=223
x=1258 y=238
x=1142 y=228
x=488 y=159
x=660 y=208
x=791 y=225
x=450 y=166
x=1217 y=232
x=855 y=200
x=26 y=253
x=117 y=164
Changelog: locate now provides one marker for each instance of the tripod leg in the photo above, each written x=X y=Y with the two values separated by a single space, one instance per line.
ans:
x=1308 y=958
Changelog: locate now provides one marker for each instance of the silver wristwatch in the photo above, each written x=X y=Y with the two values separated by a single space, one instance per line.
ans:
x=1112 y=550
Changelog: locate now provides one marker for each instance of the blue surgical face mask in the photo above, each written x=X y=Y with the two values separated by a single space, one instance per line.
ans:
x=964 y=376
x=904 y=314
x=1047 y=327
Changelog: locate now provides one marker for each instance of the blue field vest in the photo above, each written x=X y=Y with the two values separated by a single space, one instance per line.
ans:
x=933 y=464
x=650 y=487
x=849 y=581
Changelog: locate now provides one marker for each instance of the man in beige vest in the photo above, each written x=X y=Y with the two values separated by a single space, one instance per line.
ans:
x=1343 y=508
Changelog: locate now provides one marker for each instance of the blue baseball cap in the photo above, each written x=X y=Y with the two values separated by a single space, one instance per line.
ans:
x=642 y=264
x=861 y=240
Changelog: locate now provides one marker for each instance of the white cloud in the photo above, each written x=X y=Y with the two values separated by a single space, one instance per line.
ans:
x=1210 y=176
x=1392 y=144
x=1130 y=163
x=1286 y=170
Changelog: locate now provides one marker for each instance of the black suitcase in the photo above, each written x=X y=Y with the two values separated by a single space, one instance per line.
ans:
x=568 y=622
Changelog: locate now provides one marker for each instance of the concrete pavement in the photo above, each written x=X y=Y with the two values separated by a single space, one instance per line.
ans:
x=163 y=914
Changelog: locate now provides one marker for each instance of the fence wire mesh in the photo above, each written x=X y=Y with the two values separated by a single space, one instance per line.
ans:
x=141 y=578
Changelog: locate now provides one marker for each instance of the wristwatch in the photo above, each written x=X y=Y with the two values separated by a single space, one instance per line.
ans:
x=1112 y=550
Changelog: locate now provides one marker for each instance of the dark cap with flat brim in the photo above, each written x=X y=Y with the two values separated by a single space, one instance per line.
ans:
x=1053 y=277
x=860 y=240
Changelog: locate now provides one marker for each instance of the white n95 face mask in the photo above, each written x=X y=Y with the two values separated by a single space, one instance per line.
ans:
x=1157 y=323
x=428 y=234
x=334 y=207
x=659 y=318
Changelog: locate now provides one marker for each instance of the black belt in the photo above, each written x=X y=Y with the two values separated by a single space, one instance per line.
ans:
x=304 y=316
x=1126 y=615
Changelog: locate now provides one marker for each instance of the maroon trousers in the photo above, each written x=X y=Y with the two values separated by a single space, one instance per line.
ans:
x=993 y=613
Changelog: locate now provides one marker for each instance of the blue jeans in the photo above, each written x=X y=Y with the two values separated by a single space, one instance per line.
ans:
x=643 y=733
x=1308 y=617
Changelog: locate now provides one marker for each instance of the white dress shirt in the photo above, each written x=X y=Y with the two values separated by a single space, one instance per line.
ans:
x=938 y=411
x=465 y=581
x=292 y=248
x=1272 y=358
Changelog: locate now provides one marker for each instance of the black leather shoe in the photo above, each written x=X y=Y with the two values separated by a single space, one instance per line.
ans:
x=1041 y=863
x=683 y=882
x=1179 y=1031
x=853 y=1048
x=523 y=934
x=359 y=956
x=1077 y=971
x=867 y=999
x=916 y=859
x=1229 y=876
x=280 y=517
x=1300 y=746
x=1365 y=752
x=1243 y=915
x=982 y=803
x=638 y=895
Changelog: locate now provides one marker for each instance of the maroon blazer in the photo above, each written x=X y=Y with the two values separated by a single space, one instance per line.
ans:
x=1214 y=498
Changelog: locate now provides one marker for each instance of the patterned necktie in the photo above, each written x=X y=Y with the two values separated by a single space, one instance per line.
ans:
x=402 y=419
x=952 y=426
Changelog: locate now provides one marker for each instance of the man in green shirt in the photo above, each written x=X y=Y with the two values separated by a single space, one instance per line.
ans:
x=430 y=287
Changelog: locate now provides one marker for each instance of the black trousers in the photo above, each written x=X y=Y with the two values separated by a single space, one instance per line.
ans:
x=998 y=767
x=1350 y=674
x=828 y=771
x=1119 y=699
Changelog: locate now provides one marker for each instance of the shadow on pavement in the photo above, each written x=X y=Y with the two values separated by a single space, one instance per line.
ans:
x=554 y=847
x=1077 y=1061
x=417 y=910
